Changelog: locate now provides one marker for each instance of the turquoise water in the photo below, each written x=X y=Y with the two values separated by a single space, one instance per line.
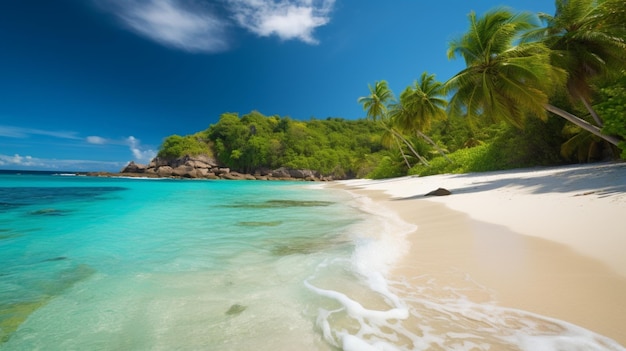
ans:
x=102 y=263
x=138 y=264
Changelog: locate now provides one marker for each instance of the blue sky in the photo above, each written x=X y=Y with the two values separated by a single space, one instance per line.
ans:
x=93 y=84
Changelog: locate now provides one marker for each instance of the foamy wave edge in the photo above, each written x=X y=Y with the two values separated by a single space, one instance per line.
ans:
x=381 y=242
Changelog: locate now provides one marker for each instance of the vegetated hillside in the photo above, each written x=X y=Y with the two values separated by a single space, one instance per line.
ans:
x=334 y=146
x=361 y=148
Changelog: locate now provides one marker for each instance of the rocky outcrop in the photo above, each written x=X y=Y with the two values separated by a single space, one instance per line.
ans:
x=204 y=167
x=133 y=167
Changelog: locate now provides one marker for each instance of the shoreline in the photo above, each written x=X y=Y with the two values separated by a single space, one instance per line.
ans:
x=546 y=241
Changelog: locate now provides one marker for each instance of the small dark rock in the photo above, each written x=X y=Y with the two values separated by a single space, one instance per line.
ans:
x=439 y=192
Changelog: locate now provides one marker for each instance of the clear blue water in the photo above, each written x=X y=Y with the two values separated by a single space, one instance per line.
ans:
x=135 y=264
x=103 y=263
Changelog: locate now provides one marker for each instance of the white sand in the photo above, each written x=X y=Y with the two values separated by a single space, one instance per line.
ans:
x=548 y=240
x=583 y=207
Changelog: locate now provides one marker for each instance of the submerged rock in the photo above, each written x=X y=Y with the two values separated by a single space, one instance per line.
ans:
x=49 y=212
x=9 y=235
x=283 y=204
x=12 y=315
x=235 y=309
x=260 y=224
x=305 y=246
x=296 y=203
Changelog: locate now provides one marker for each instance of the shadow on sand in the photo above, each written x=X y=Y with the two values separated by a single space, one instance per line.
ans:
x=600 y=180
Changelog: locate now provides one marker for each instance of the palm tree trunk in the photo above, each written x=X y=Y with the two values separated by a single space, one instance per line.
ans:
x=406 y=160
x=406 y=142
x=425 y=137
x=582 y=124
x=592 y=112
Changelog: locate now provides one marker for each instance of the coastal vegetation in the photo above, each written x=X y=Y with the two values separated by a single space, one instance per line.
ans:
x=538 y=89
x=248 y=143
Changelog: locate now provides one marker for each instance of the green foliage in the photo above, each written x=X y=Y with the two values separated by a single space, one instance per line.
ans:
x=388 y=167
x=536 y=145
x=253 y=141
x=375 y=104
x=613 y=110
x=457 y=133
x=463 y=161
x=176 y=146
x=586 y=40
x=504 y=80
x=420 y=104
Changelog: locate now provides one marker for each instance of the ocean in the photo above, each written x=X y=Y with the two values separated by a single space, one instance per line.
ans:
x=90 y=263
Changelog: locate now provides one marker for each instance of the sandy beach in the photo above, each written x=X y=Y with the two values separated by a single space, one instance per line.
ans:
x=550 y=241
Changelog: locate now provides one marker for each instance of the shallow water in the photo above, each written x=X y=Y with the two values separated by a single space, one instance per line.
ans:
x=111 y=264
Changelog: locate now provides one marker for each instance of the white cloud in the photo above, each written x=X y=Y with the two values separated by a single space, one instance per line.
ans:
x=139 y=153
x=18 y=160
x=196 y=26
x=21 y=162
x=180 y=24
x=285 y=19
x=93 y=139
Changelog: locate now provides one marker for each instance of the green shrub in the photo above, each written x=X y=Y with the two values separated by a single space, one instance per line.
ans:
x=387 y=168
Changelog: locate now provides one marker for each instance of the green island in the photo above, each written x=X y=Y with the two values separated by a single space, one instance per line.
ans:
x=537 y=90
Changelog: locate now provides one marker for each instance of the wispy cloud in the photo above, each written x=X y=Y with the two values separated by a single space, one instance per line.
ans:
x=194 y=26
x=22 y=133
x=285 y=19
x=17 y=161
x=139 y=152
x=180 y=24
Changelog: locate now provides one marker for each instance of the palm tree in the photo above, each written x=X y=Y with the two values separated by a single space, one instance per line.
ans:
x=376 y=107
x=419 y=105
x=506 y=79
x=587 y=41
x=375 y=104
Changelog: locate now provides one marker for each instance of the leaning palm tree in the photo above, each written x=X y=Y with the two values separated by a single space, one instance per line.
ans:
x=389 y=140
x=506 y=79
x=376 y=107
x=587 y=41
x=419 y=105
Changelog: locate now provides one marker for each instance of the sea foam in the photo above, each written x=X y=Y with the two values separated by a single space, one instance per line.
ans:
x=425 y=312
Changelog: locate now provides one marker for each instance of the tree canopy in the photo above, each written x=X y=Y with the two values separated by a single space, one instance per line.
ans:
x=247 y=143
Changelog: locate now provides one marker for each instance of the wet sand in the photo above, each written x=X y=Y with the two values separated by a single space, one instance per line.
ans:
x=547 y=241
